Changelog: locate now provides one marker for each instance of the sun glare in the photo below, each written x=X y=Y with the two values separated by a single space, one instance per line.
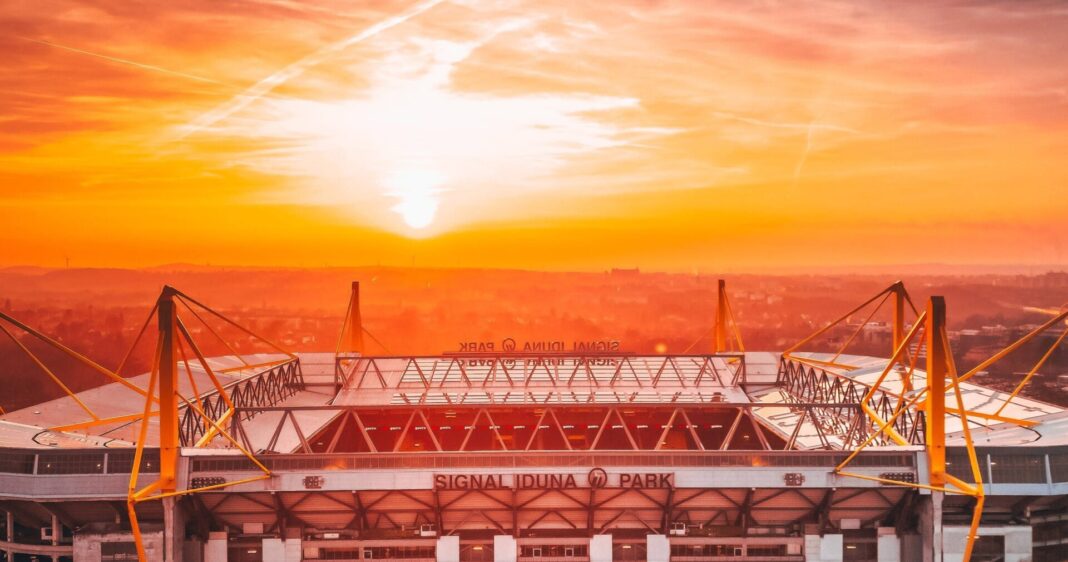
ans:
x=418 y=191
x=412 y=145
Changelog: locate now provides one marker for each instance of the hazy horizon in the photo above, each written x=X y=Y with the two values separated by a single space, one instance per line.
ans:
x=889 y=271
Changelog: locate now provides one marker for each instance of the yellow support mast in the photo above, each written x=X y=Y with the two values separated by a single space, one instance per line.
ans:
x=165 y=377
x=900 y=297
x=169 y=442
x=726 y=337
x=719 y=343
x=935 y=407
x=941 y=379
x=355 y=321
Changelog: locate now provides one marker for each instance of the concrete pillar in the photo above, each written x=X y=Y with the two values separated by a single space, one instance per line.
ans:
x=173 y=530
x=657 y=548
x=273 y=550
x=57 y=530
x=505 y=548
x=831 y=548
x=888 y=545
x=10 y=522
x=448 y=548
x=931 y=527
x=1018 y=544
x=601 y=548
x=215 y=548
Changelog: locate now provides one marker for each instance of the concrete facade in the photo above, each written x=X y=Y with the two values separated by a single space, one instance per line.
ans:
x=88 y=546
x=1018 y=542
x=448 y=549
x=505 y=549
x=273 y=550
x=826 y=548
x=215 y=548
x=888 y=545
x=657 y=548
x=601 y=548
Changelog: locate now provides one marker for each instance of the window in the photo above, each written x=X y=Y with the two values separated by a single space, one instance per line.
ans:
x=767 y=550
x=989 y=548
x=16 y=463
x=338 y=554
x=121 y=462
x=859 y=551
x=1058 y=464
x=553 y=551
x=394 y=552
x=1018 y=468
x=82 y=463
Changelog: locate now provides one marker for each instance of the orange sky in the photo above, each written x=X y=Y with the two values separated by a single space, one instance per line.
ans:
x=666 y=135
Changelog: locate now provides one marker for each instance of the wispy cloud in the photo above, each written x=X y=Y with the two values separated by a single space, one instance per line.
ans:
x=412 y=123
x=449 y=115
x=291 y=71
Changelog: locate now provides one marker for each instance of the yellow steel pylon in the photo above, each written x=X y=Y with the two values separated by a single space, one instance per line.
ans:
x=727 y=337
x=900 y=299
x=941 y=377
x=172 y=339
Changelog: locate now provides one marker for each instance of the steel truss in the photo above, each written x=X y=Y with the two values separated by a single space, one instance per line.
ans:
x=588 y=511
x=553 y=370
x=268 y=388
x=804 y=382
x=633 y=427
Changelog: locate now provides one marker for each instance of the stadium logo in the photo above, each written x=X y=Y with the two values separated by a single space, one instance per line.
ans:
x=511 y=345
x=597 y=478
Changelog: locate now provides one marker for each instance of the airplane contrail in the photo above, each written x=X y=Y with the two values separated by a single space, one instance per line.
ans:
x=812 y=125
x=293 y=70
x=127 y=62
x=804 y=154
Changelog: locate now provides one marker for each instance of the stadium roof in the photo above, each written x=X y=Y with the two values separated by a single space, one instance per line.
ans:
x=114 y=400
x=1051 y=426
x=433 y=381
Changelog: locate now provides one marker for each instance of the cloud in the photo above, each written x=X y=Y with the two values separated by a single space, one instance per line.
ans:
x=411 y=122
x=283 y=75
x=534 y=112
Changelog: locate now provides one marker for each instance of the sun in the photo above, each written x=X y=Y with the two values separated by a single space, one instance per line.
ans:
x=418 y=190
x=417 y=210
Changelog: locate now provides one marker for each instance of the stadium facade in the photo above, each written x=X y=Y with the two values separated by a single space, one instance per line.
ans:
x=497 y=453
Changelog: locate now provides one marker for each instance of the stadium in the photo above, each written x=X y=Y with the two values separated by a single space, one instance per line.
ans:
x=532 y=451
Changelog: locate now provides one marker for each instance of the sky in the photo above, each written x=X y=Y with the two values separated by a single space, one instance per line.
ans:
x=679 y=136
